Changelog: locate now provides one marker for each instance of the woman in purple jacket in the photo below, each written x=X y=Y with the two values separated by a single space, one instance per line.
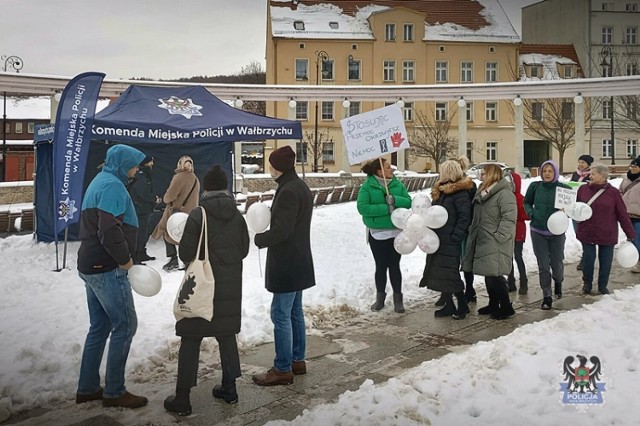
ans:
x=601 y=229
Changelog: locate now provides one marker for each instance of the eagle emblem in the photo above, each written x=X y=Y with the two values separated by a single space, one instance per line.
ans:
x=582 y=377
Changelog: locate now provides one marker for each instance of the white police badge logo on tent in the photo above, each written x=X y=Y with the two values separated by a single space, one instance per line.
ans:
x=179 y=106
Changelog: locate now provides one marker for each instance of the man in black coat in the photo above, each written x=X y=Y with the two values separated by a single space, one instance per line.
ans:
x=289 y=267
x=144 y=200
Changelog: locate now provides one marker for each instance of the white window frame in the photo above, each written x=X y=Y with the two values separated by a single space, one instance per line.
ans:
x=442 y=71
x=631 y=35
x=466 y=72
x=328 y=152
x=568 y=71
x=408 y=33
x=389 y=32
x=534 y=71
x=491 y=72
x=355 y=108
x=537 y=111
x=492 y=151
x=408 y=71
x=302 y=152
x=355 y=66
x=327 y=68
x=606 y=148
x=31 y=127
x=469 y=111
x=407 y=111
x=18 y=127
x=491 y=111
x=469 y=151
x=327 y=111
x=607 y=35
x=632 y=68
x=607 y=110
x=441 y=111
x=632 y=148
x=300 y=62
x=389 y=71
x=302 y=110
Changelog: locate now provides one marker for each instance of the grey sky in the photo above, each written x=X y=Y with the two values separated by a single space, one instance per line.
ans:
x=158 y=39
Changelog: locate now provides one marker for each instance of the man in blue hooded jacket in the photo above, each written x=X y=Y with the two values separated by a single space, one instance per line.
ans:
x=108 y=232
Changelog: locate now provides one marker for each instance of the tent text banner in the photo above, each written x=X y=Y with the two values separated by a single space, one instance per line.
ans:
x=374 y=133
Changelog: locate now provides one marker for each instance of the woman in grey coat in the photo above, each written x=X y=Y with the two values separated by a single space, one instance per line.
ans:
x=491 y=239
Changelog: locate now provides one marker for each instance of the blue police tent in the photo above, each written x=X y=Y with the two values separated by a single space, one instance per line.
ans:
x=166 y=123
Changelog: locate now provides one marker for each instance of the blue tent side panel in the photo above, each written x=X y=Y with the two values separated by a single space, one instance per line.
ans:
x=166 y=158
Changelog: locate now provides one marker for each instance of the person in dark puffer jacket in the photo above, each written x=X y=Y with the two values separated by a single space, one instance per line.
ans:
x=108 y=233
x=228 y=240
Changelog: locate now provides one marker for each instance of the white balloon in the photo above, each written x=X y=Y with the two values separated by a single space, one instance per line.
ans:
x=558 y=223
x=420 y=203
x=580 y=212
x=404 y=243
x=415 y=223
x=627 y=255
x=430 y=242
x=175 y=225
x=145 y=280
x=400 y=216
x=436 y=217
x=258 y=217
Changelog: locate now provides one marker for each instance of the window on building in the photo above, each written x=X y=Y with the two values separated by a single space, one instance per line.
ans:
x=390 y=32
x=470 y=151
x=466 y=72
x=606 y=109
x=408 y=71
x=632 y=148
x=537 y=111
x=534 y=71
x=328 y=155
x=354 y=108
x=491 y=111
x=407 y=111
x=567 y=110
x=327 y=111
x=607 y=71
x=389 y=71
x=441 y=71
x=631 y=7
x=7 y=128
x=354 y=69
x=18 y=127
x=632 y=110
x=298 y=25
x=301 y=152
x=492 y=72
x=31 y=127
x=492 y=151
x=568 y=71
x=408 y=32
x=608 y=6
x=632 y=69
x=302 y=69
x=606 y=148
x=441 y=111
x=469 y=111
x=631 y=36
x=327 y=70
x=302 y=110
x=607 y=35
x=333 y=25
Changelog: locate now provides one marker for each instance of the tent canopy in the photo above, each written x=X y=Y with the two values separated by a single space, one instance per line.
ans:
x=171 y=115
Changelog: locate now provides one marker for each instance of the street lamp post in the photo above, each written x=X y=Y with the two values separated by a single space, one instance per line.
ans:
x=608 y=51
x=321 y=57
x=16 y=63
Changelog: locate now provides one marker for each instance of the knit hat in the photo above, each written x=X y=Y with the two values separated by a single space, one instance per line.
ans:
x=215 y=179
x=635 y=161
x=586 y=158
x=147 y=159
x=283 y=159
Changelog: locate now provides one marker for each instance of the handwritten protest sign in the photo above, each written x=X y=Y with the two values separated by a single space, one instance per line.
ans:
x=565 y=198
x=374 y=133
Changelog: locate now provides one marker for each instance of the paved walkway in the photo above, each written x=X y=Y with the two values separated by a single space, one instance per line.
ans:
x=374 y=346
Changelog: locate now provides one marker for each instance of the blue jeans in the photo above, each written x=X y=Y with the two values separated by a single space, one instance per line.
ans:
x=605 y=258
x=288 y=329
x=111 y=312
x=636 y=227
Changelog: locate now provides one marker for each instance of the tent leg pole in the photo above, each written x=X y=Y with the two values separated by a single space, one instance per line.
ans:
x=64 y=255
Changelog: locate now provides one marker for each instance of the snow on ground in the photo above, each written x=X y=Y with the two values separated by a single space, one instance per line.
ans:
x=44 y=322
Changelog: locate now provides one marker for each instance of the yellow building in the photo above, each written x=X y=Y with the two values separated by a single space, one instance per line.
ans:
x=359 y=43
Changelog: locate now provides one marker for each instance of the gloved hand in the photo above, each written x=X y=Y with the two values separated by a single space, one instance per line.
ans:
x=390 y=199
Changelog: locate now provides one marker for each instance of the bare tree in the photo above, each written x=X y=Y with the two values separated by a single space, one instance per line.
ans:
x=314 y=152
x=253 y=74
x=430 y=138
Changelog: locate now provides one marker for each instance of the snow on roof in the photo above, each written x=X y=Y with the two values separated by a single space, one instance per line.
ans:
x=490 y=24
x=549 y=65
x=35 y=107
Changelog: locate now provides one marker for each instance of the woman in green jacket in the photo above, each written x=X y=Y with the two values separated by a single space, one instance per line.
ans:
x=375 y=205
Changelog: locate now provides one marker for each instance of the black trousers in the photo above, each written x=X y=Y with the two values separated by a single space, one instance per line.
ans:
x=189 y=357
x=143 y=235
x=170 y=249
x=386 y=258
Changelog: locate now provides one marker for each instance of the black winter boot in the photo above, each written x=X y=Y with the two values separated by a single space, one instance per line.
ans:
x=557 y=289
x=463 y=308
x=448 y=309
x=379 y=301
x=179 y=403
x=512 y=285
x=398 y=306
x=469 y=291
x=505 y=308
x=524 y=286
x=493 y=303
x=441 y=300
x=171 y=264
x=226 y=391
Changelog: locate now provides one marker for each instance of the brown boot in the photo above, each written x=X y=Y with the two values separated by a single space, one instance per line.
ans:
x=127 y=400
x=273 y=377
x=299 y=367
x=82 y=398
